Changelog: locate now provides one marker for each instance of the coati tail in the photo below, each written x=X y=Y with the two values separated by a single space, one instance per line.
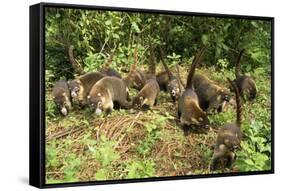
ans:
x=179 y=77
x=152 y=62
x=193 y=67
x=170 y=75
x=238 y=103
x=76 y=66
x=109 y=60
x=238 y=64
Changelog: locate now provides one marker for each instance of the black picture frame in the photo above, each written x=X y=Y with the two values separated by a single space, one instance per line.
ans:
x=37 y=94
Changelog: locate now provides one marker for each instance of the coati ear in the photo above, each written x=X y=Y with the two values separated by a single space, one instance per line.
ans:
x=141 y=98
x=88 y=97
x=64 y=94
x=99 y=94
x=200 y=119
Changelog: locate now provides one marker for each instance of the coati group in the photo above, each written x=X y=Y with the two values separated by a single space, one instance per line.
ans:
x=106 y=90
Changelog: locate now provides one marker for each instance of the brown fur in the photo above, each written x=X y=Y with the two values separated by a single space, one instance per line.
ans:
x=189 y=111
x=147 y=97
x=61 y=97
x=229 y=138
x=246 y=85
x=108 y=93
x=212 y=97
x=81 y=86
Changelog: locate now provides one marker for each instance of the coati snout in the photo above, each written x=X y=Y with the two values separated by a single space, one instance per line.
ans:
x=173 y=89
x=63 y=103
x=80 y=87
x=96 y=104
x=61 y=97
x=74 y=87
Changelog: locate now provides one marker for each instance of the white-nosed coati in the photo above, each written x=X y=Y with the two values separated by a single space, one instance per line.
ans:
x=61 y=97
x=80 y=87
x=110 y=71
x=167 y=81
x=110 y=92
x=147 y=97
x=246 y=85
x=229 y=137
x=212 y=97
x=189 y=112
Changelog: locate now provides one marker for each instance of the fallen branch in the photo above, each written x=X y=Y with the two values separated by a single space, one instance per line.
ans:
x=63 y=133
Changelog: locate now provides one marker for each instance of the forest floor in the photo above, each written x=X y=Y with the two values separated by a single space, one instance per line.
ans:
x=122 y=145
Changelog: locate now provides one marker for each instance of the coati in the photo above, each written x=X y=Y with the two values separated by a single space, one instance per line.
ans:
x=168 y=82
x=147 y=97
x=110 y=71
x=229 y=137
x=110 y=92
x=245 y=84
x=80 y=87
x=189 y=112
x=198 y=80
x=163 y=79
x=61 y=97
x=212 y=97
x=139 y=78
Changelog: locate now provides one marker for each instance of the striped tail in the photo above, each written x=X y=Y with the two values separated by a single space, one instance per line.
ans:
x=238 y=103
x=193 y=67
x=170 y=75
x=76 y=66
x=238 y=64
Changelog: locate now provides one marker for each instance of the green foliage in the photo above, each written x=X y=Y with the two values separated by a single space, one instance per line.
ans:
x=51 y=155
x=175 y=59
x=105 y=153
x=71 y=167
x=95 y=34
x=141 y=169
x=153 y=134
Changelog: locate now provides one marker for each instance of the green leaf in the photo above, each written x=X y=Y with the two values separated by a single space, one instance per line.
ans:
x=135 y=27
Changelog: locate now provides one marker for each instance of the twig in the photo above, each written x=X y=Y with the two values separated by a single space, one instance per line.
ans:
x=63 y=133
x=131 y=125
